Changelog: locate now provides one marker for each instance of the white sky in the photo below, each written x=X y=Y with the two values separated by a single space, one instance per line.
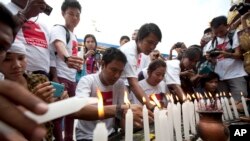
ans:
x=179 y=20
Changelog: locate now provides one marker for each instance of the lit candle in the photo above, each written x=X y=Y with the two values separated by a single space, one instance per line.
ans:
x=157 y=124
x=243 y=100
x=202 y=103
x=228 y=107
x=224 y=108
x=191 y=115
x=128 y=120
x=145 y=122
x=196 y=113
x=177 y=121
x=170 y=119
x=100 y=131
x=164 y=126
x=236 y=114
x=185 y=118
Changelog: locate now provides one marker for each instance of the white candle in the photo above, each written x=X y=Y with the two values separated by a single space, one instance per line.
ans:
x=146 y=123
x=224 y=109
x=191 y=116
x=164 y=126
x=177 y=121
x=196 y=113
x=243 y=100
x=170 y=121
x=236 y=114
x=202 y=104
x=228 y=109
x=157 y=124
x=100 y=132
x=185 y=118
x=129 y=126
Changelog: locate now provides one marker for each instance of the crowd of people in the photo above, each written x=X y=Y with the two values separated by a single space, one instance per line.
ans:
x=31 y=57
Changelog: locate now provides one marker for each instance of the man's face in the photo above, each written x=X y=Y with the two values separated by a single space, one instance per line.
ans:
x=148 y=44
x=6 y=38
x=72 y=16
x=220 y=31
x=111 y=72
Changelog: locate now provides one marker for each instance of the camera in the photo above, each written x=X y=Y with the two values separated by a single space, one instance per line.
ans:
x=214 y=52
x=242 y=8
x=97 y=55
x=22 y=3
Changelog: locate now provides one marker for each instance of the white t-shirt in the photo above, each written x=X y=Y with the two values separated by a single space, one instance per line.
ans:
x=173 y=71
x=148 y=89
x=35 y=36
x=228 y=68
x=59 y=33
x=112 y=94
x=135 y=61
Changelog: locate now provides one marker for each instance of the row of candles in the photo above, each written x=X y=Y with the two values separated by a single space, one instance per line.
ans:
x=168 y=121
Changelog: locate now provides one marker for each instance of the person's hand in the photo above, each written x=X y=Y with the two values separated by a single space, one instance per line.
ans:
x=89 y=53
x=188 y=73
x=33 y=8
x=11 y=95
x=74 y=62
x=64 y=96
x=137 y=115
x=45 y=91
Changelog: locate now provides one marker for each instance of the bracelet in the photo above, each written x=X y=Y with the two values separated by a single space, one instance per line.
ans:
x=22 y=16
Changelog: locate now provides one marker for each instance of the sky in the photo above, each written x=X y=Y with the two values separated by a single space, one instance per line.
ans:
x=179 y=20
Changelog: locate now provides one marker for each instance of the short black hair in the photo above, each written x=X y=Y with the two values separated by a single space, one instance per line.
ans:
x=207 y=30
x=124 y=37
x=192 y=52
x=218 y=21
x=211 y=75
x=146 y=29
x=111 y=54
x=71 y=4
x=156 y=64
x=7 y=18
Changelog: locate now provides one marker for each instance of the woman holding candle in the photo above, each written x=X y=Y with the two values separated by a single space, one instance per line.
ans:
x=154 y=84
x=112 y=89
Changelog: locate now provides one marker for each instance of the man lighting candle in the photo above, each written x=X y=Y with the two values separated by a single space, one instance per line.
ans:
x=112 y=90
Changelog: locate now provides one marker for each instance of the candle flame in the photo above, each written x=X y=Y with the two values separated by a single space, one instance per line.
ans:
x=193 y=96
x=189 y=97
x=210 y=95
x=206 y=95
x=217 y=95
x=230 y=95
x=221 y=94
x=184 y=97
x=171 y=98
x=198 y=95
x=152 y=102
x=100 y=104
x=153 y=97
x=126 y=101
x=177 y=99
x=241 y=93
x=224 y=93
x=143 y=100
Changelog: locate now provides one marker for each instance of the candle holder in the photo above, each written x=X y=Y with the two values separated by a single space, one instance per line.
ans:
x=211 y=127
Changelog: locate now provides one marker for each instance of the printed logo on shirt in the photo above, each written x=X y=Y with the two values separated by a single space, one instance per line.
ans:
x=107 y=98
x=34 y=35
x=74 y=48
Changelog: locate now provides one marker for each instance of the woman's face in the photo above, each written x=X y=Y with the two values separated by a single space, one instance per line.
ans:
x=90 y=43
x=189 y=63
x=13 y=66
x=212 y=85
x=156 y=76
